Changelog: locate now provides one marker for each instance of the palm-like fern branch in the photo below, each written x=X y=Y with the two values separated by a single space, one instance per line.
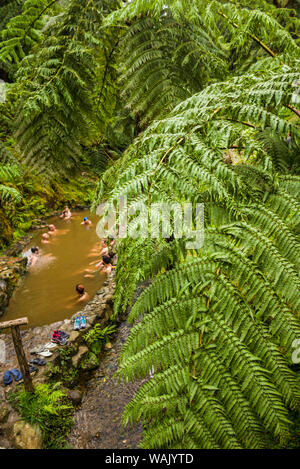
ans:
x=164 y=62
x=166 y=59
x=217 y=325
x=57 y=111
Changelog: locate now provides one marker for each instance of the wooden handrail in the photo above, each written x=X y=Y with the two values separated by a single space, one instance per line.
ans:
x=17 y=340
x=14 y=323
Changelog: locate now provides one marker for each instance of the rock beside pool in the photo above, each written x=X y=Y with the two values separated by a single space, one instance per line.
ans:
x=90 y=362
x=15 y=249
x=73 y=336
x=82 y=351
x=75 y=396
x=26 y=436
x=4 y=413
x=11 y=269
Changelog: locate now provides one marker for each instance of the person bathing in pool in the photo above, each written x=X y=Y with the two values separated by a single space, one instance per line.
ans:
x=107 y=247
x=34 y=256
x=105 y=264
x=104 y=249
x=86 y=221
x=66 y=214
x=45 y=238
x=52 y=229
x=83 y=295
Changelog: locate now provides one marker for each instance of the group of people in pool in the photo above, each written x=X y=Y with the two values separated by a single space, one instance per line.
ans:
x=34 y=251
x=106 y=262
x=106 y=251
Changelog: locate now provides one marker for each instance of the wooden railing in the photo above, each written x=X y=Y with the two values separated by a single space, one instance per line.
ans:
x=15 y=332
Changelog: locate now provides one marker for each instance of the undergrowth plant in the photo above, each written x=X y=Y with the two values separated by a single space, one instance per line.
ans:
x=97 y=337
x=50 y=409
x=64 y=371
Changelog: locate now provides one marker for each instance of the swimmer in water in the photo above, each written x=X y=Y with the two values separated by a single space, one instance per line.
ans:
x=105 y=264
x=52 y=229
x=83 y=296
x=66 y=214
x=108 y=245
x=89 y=276
x=95 y=251
x=105 y=251
x=45 y=238
x=86 y=221
x=34 y=256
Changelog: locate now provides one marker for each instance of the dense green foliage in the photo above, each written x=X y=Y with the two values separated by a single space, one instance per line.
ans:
x=50 y=409
x=185 y=102
x=24 y=196
x=23 y=193
x=97 y=337
x=47 y=135
x=217 y=325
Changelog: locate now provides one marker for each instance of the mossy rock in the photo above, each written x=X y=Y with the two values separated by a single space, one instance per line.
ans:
x=26 y=436
x=10 y=271
x=70 y=378
x=90 y=362
x=6 y=232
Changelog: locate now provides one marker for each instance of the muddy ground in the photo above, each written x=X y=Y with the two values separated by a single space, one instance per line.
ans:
x=98 y=420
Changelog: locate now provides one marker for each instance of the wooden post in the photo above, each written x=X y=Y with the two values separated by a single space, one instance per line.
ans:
x=15 y=332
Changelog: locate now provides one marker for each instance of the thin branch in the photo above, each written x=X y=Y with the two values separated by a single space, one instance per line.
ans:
x=266 y=48
x=38 y=17
x=106 y=70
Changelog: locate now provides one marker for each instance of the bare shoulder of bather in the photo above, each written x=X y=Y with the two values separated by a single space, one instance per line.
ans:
x=107 y=269
x=84 y=297
x=104 y=251
x=99 y=265
x=33 y=260
x=51 y=229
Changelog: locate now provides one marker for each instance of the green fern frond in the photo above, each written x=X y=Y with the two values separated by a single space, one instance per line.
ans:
x=24 y=31
x=216 y=325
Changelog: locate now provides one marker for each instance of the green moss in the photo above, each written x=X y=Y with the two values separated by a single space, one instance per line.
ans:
x=64 y=371
x=89 y=362
x=6 y=232
x=40 y=200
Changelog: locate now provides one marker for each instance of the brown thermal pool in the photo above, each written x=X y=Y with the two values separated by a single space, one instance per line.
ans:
x=47 y=292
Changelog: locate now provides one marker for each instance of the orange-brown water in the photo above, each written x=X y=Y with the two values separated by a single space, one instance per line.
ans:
x=47 y=292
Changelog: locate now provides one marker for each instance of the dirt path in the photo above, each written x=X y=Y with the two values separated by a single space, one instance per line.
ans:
x=98 y=420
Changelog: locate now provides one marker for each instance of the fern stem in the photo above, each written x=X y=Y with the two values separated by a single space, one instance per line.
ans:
x=38 y=17
x=266 y=48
